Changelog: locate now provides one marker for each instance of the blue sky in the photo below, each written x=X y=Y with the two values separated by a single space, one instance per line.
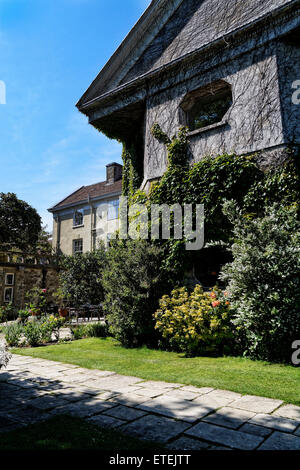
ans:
x=50 y=51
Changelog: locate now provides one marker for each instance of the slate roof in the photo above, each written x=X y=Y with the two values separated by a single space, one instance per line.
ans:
x=171 y=29
x=92 y=191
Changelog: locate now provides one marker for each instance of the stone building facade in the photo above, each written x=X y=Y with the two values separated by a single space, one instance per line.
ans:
x=20 y=273
x=229 y=63
x=88 y=215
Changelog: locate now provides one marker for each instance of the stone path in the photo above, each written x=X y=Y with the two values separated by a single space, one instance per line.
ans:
x=181 y=417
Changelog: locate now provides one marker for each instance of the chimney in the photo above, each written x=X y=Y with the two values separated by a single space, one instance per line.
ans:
x=113 y=172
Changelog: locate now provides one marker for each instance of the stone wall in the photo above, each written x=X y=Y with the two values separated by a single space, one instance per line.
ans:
x=25 y=277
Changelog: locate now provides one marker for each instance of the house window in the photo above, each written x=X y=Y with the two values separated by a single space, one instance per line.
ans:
x=78 y=219
x=207 y=105
x=113 y=210
x=77 y=246
x=9 y=279
x=8 y=294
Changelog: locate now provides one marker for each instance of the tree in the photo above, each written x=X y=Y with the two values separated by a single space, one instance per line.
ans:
x=134 y=281
x=20 y=224
x=264 y=282
x=80 y=277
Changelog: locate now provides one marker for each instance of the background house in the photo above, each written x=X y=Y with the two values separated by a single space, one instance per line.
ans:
x=88 y=215
x=225 y=68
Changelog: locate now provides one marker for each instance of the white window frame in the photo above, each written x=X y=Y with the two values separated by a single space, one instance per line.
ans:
x=113 y=206
x=74 y=243
x=79 y=211
x=6 y=279
x=11 y=289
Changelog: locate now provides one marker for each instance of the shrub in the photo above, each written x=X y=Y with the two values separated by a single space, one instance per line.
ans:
x=196 y=322
x=23 y=315
x=97 y=330
x=264 y=281
x=51 y=324
x=3 y=315
x=13 y=333
x=78 y=332
x=4 y=355
x=134 y=281
x=34 y=333
x=81 y=277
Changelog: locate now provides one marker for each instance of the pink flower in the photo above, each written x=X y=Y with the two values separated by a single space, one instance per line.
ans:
x=44 y=291
x=216 y=303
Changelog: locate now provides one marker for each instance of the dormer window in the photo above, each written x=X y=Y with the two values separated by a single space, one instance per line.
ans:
x=207 y=105
x=78 y=218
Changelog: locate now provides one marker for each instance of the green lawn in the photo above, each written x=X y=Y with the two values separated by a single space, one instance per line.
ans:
x=66 y=433
x=230 y=373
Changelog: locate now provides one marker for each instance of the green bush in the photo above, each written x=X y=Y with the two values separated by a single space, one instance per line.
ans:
x=78 y=332
x=81 y=277
x=34 y=333
x=97 y=330
x=264 y=281
x=13 y=333
x=134 y=281
x=196 y=323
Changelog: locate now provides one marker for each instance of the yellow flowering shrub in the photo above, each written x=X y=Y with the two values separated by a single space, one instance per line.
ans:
x=196 y=322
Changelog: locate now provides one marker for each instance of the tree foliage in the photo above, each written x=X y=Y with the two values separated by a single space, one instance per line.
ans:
x=134 y=280
x=20 y=223
x=264 y=281
x=80 y=277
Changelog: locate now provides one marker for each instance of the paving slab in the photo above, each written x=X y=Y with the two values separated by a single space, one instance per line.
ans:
x=150 y=393
x=106 y=421
x=28 y=415
x=289 y=411
x=175 y=408
x=228 y=437
x=182 y=394
x=256 y=404
x=187 y=443
x=131 y=400
x=125 y=413
x=155 y=428
x=159 y=384
x=281 y=441
x=229 y=417
x=275 y=422
x=297 y=433
x=83 y=409
x=47 y=402
x=212 y=402
x=256 y=430
x=200 y=390
x=224 y=394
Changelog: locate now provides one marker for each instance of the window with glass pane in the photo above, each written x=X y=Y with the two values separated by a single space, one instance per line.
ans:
x=8 y=294
x=113 y=210
x=9 y=279
x=78 y=218
x=77 y=246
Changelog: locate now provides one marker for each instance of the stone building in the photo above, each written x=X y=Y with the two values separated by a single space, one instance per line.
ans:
x=88 y=215
x=20 y=273
x=225 y=68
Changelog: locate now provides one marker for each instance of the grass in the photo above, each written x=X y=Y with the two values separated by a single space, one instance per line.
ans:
x=230 y=373
x=66 y=433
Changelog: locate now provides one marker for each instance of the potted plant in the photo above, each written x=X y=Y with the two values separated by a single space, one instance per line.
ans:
x=62 y=302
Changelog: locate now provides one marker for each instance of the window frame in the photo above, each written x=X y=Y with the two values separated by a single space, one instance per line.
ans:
x=6 y=279
x=76 y=240
x=81 y=212
x=11 y=299
x=114 y=206
x=209 y=94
